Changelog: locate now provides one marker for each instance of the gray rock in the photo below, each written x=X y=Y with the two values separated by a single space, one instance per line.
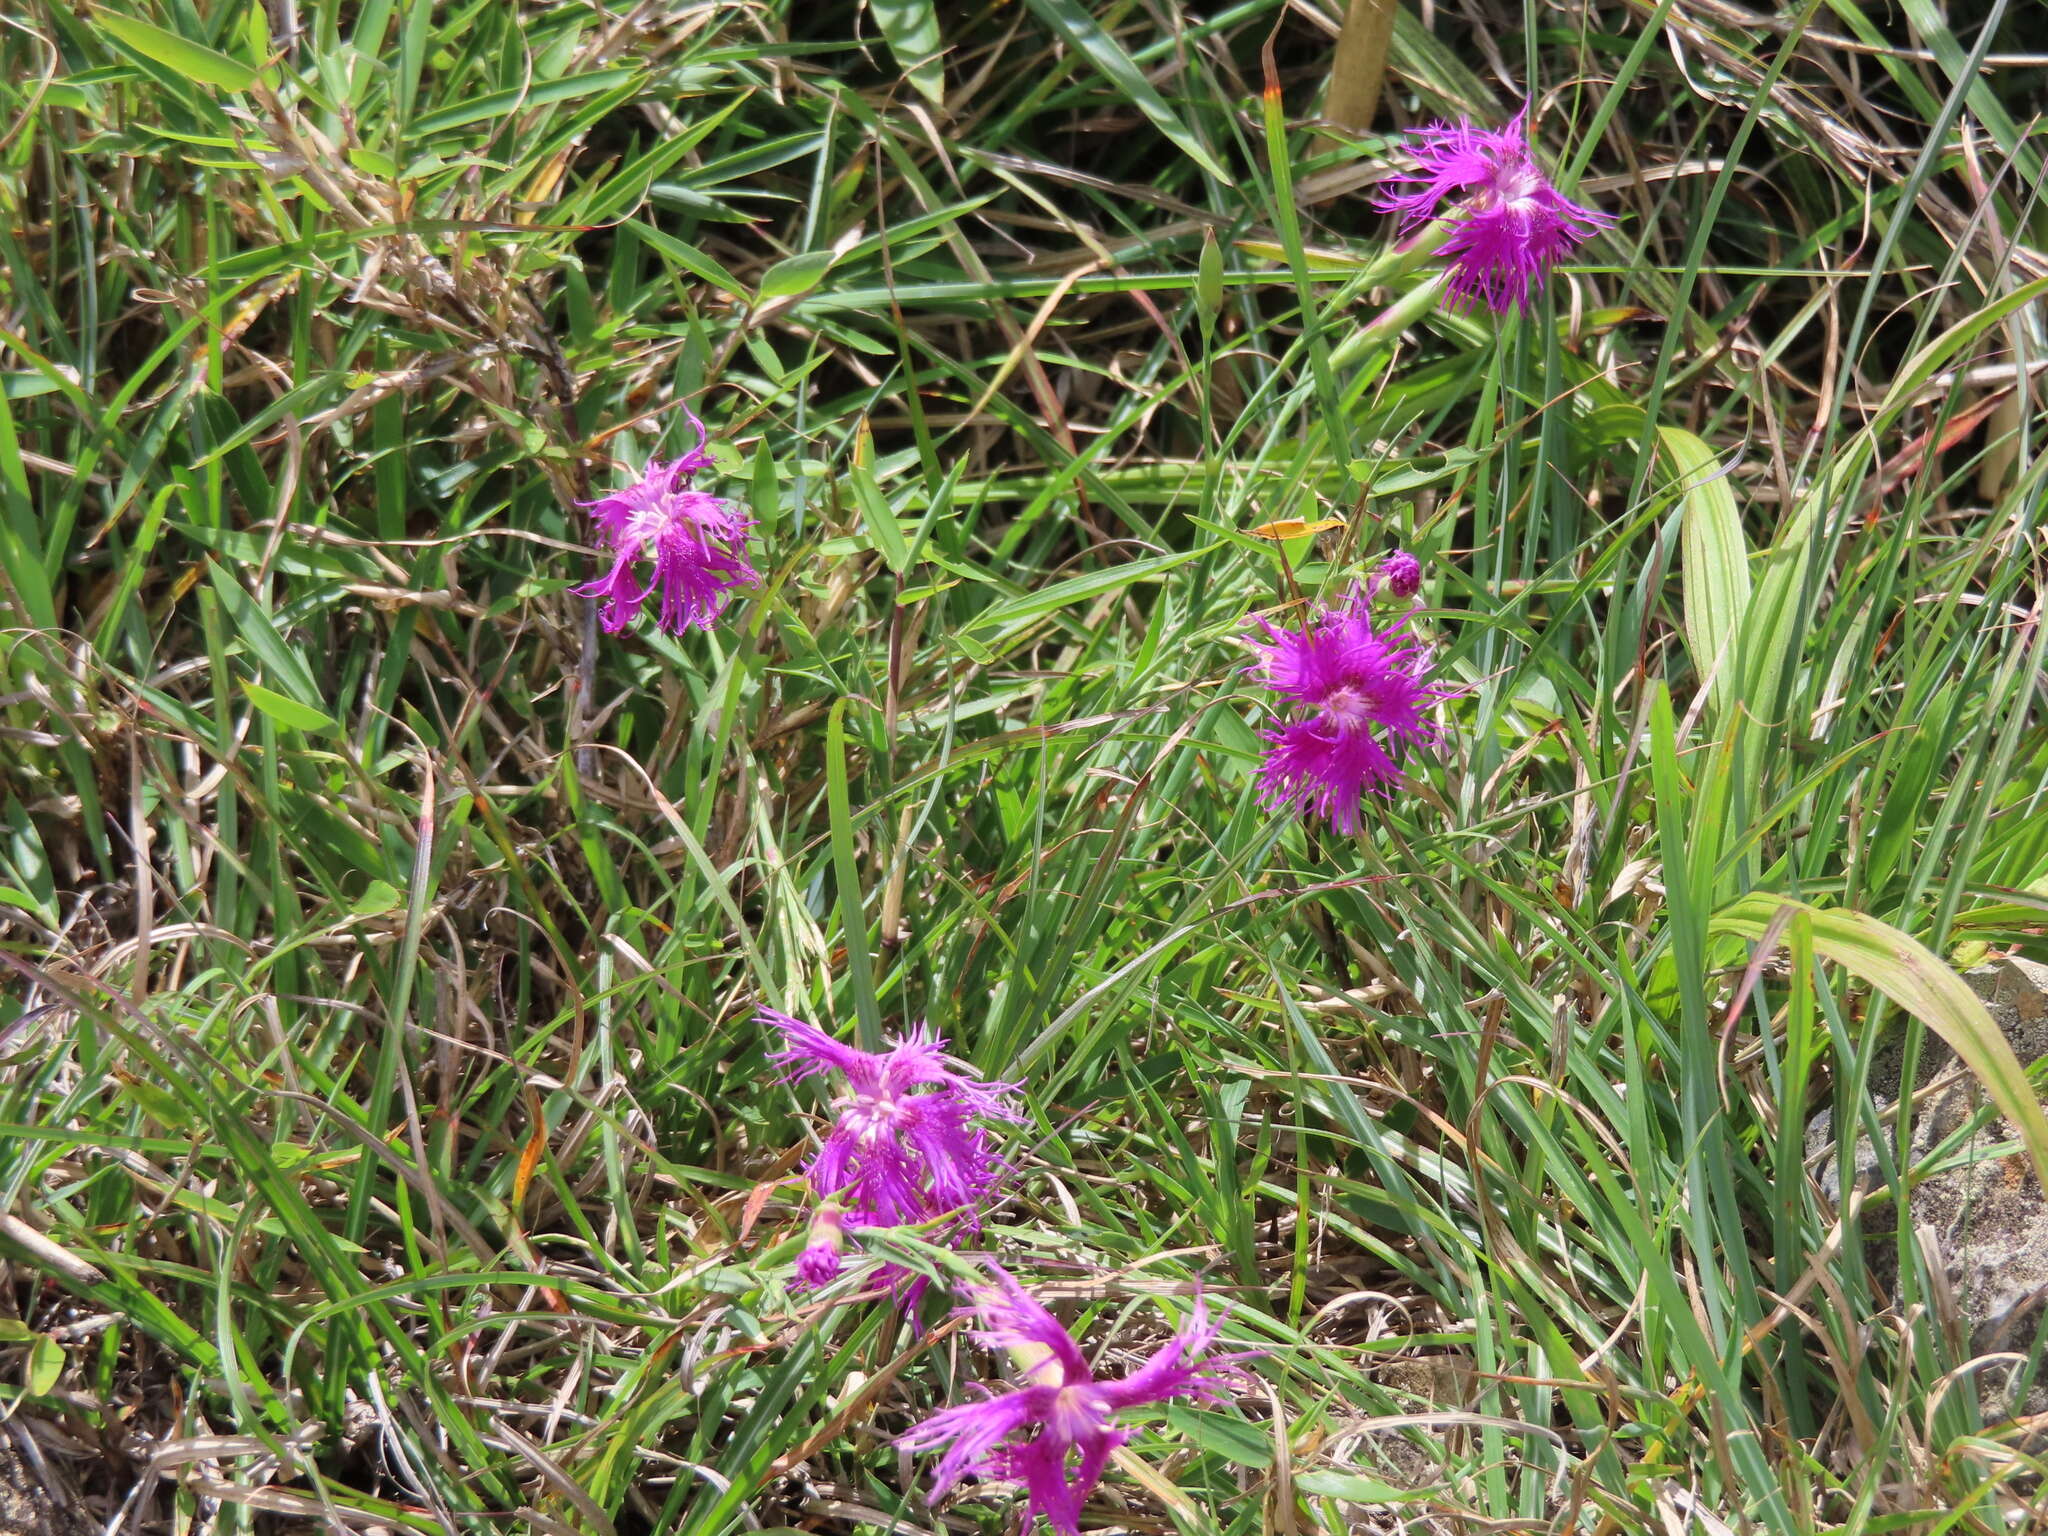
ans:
x=35 y=1498
x=1986 y=1220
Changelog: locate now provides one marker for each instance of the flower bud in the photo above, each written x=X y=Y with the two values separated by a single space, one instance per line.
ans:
x=1401 y=573
x=819 y=1262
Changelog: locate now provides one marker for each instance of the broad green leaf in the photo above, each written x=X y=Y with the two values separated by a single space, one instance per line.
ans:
x=195 y=61
x=911 y=28
x=794 y=275
x=45 y=1365
x=1916 y=979
x=1716 y=561
x=1352 y=1488
x=380 y=897
x=300 y=717
x=1073 y=22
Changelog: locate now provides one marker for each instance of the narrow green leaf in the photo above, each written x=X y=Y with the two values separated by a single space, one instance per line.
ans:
x=885 y=534
x=690 y=259
x=1073 y=22
x=14 y=896
x=503 y=103
x=911 y=29
x=1080 y=588
x=194 y=61
x=254 y=626
x=1243 y=1444
x=1287 y=218
x=1916 y=371
x=1353 y=1488
x=853 y=919
x=26 y=386
x=1773 y=627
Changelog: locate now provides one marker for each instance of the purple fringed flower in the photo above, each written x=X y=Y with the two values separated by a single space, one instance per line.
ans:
x=1400 y=573
x=1514 y=226
x=1055 y=1434
x=698 y=543
x=1366 y=694
x=905 y=1147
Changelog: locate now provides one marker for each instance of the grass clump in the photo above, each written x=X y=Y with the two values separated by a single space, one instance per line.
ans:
x=390 y=1143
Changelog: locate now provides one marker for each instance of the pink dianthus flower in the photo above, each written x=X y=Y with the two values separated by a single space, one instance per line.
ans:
x=1512 y=225
x=1363 y=693
x=1054 y=1435
x=906 y=1145
x=696 y=541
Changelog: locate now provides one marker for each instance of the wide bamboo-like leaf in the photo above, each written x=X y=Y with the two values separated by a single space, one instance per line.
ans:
x=1716 y=569
x=911 y=28
x=195 y=61
x=1915 y=978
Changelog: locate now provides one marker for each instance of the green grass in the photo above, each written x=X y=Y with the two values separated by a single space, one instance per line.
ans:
x=386 y=1135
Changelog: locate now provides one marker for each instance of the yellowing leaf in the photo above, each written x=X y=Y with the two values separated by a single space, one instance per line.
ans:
x=1914 y=977
x=1295 y=528
x=1318 y=262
